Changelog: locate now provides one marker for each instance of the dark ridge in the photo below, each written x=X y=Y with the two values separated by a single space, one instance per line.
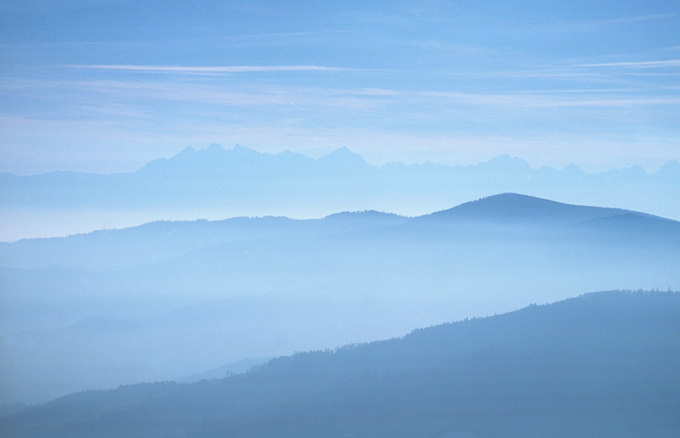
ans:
x=513 y=207
x=602 y=364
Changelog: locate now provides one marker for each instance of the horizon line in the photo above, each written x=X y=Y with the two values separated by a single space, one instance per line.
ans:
x=570 y=165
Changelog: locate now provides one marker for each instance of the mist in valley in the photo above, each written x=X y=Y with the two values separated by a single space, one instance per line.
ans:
x=429 y=219
x=193 y=296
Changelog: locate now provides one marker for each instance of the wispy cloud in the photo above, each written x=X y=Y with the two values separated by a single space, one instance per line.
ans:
x=635 y=19
x=638 y=64
x=669 y=49
x=576 y=26
x=77 y=98
x=539 y=99
x=208 y=69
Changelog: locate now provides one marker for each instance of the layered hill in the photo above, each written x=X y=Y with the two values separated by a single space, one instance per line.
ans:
x=602 y=364
x=217 y=183
x=122 y=306
x=160 y=240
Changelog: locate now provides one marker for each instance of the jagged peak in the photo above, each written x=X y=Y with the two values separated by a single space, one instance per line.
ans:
x=670 y=168
x=243 y=151
x=506 y=161
x=286 y=153
x=573 y=168
x=238 y=147
x=342 y=150
x=187 y=150
x=343 y=153
x=627 y=171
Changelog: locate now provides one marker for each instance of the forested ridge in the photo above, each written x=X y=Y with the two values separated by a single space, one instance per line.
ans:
x=602 y=364
x=167 y=300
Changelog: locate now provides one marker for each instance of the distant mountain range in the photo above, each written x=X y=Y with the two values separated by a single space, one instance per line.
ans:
x=162 y=240
x=603 y=364
x=217 y=183
x=121 y=306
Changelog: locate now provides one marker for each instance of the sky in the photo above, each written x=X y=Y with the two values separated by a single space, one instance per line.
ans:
x=107 y=85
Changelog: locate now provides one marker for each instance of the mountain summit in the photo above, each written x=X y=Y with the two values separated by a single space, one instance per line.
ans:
x=343 y=157
x=513 y=207
x=218 y=183
x=252 y=287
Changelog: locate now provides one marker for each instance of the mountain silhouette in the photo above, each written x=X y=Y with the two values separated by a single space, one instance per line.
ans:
x=268 y=286
x=164 y=239
x=217 y=183
x=517 y=208
x=602 y=364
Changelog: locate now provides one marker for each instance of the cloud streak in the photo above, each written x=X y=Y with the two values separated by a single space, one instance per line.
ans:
x=208 y=69
x=539 y=99
x=638 y=64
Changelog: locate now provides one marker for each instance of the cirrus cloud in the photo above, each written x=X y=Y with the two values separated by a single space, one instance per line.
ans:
x=208 y=69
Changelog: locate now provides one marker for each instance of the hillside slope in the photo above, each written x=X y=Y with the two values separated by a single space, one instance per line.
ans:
x=156 y=241
x=602 y=364
x=121 y=306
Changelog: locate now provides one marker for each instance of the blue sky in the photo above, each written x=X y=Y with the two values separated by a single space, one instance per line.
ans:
x=108 y=85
